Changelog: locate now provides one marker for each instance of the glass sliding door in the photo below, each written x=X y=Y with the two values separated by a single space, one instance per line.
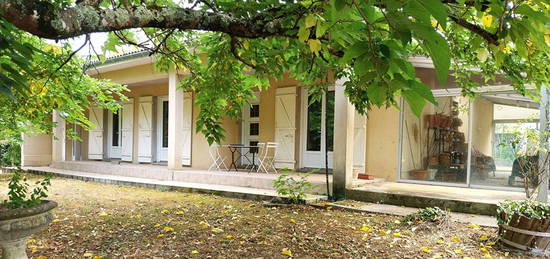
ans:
x=495 y=149
x=434 y=146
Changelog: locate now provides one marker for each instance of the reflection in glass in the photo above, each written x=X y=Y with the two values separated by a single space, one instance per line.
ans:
x=165 y=124
x=116 y=129
x=496 y=117
x=329 y=123
x=434 y=146
x=314 y=113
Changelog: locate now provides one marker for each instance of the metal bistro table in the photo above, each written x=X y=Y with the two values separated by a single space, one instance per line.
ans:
x=238 y=148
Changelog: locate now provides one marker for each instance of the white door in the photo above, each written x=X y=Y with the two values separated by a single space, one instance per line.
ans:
x=145 y=125
x=359 y=142
x=162 y=129
x=127 y=130
x=115 y=136
x=95 y=136
x=317 y=129
x=187 y=126
x=285 y=127
x=251 y=129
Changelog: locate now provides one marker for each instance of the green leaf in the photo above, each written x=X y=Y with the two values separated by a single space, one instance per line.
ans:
x=310 y=21
x=436 y=46
x=415 y=101
x=376 y=93
x=321 y=28
x=363 y=65
x=437 y=9
x=303 y=34
x=339 y=4
x=423 y=90
x=358 y=49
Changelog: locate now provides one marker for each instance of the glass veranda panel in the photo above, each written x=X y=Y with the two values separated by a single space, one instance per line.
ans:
x=434 y=146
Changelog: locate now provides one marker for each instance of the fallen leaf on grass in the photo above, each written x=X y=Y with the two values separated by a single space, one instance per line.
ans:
x=292 y=221
x=103 y=214
x=426 y=250
x=179 y=212
x=229 y=236
x=286 y=252
x=483 y=238
x=396 y=234
x=41 y=257
x=98 y=257
x=473 y=226
x=160 y=235
x=194 y=252
x=217 y=230
x=168 y=229
x=31 y=241
x=87 y=255
x=164 y=211
x=455 y=239
x=439 y=241
x=458 y=251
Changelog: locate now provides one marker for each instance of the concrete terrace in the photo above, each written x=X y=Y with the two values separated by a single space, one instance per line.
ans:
x=457 y=199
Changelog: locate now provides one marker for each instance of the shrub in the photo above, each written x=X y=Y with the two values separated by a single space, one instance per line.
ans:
x=19 y=195
x=429 y=214
x=528 y=208
x=10 y=154
x=293 y=189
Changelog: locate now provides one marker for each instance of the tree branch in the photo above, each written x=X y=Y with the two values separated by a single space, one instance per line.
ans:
x=489 y=37
x=43 y=19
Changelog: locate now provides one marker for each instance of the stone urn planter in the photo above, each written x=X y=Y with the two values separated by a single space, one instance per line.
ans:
x=16 y=225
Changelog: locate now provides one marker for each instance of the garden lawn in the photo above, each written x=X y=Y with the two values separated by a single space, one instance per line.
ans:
x=107 y=221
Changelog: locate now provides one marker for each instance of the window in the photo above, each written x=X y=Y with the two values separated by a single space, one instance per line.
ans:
x=255 y=111
x=116 y=129
x=165 y=124
x=254 y=129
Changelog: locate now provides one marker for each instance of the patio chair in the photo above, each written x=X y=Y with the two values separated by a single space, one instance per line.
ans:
x=266 y=161
x=217 y=160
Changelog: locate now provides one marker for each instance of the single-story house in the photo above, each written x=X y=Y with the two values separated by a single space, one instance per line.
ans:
x=459 y=142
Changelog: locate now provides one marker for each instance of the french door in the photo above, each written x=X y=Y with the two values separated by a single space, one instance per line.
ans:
x=115 y=136
x=317 y=129
x=162 y=129
x=251 y=129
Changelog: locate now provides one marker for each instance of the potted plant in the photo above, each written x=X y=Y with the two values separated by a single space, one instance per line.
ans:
x=24 y=212
x=525 y=225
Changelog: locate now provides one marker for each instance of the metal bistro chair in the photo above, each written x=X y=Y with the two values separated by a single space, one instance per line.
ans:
x=218 y=160
x=267 y=157
x=256 y=158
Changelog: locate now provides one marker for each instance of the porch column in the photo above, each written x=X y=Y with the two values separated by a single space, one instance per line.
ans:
x=343 y=135
x=175 y=122
x=58 y=142
x=543 y=122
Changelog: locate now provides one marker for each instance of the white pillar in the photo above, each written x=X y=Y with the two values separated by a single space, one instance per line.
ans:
x=58 y=142
x=175 y=122
x=343 y=138
x=543 y=122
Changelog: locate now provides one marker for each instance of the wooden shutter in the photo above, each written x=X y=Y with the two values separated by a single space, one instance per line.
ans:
x=127 y=130
x=95 y=136
x=359 y=142
x=145 y=124
x=285 y=127
x=187 y=126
